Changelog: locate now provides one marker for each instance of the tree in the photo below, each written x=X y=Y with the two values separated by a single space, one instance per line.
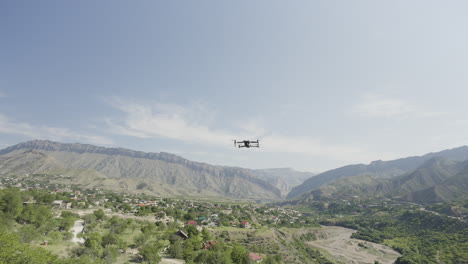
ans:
x=191 y=230
x=175 y=250
x=109 y=254
x=141 y=239
x=109 y=239
x=28 y=214
x=13 y=252
x=44 y=215
x=93 y=242
x=66 y=223
x=89 y=219
x=239 y=254
x=190 y=216
x=149 y=253
x=219 y=256
x=28 y=233
x=273 y=259
x=99 y=214
x=55 y=236
x=206 y=235
x=12 y=203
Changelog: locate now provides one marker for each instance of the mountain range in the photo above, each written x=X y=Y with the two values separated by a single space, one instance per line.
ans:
x=438 y=180
x=431 y=178
x=162 y=173
x=378 y=169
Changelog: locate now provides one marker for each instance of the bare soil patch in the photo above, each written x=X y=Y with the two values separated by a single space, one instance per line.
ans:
x=337 y=242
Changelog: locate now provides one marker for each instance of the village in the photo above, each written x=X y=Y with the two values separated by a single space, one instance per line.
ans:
x=95 y=214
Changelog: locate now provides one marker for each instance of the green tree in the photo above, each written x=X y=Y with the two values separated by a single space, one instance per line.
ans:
x=44 y=216
x=109 y=239
x=109 y=254
x=93 y=242
x=149 y=253
x=28 y=214
x=273 y=259
x=206 y=235
x=191 y=230
x=12 y=203
x=175 y=250
x=28 y=233
x=239 y=254
x=99 y=214
x=66 y=224
x=13 y=252
x=56 y=236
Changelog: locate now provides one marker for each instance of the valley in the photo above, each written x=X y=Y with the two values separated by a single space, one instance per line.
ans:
x=101 y=205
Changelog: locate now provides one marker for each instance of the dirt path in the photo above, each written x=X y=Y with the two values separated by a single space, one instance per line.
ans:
x=77 y=229
x=338 y=243
x=171 y=261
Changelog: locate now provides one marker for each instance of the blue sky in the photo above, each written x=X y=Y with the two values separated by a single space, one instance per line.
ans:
x=321 y=83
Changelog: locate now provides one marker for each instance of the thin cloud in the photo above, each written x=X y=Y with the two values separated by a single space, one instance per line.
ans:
x=8 y=126
x=379 y=105
x=316 y=148
x=2 y=95
x=166 y=121
x=177 y=122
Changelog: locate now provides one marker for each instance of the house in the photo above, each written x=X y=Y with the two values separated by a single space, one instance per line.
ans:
x=191 y=222
x=255 y=258
x=182 y=234
x=57 y=203
x=245 y=224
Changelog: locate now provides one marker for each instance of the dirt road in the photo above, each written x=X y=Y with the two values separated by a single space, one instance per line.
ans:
x=342 y=248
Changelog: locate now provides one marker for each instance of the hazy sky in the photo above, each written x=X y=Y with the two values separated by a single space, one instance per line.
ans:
x=321 y=83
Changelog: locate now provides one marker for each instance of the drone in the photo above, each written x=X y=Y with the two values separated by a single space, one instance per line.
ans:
x=247 y=143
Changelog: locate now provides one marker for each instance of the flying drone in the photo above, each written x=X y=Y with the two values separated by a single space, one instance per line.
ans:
x=247 y=143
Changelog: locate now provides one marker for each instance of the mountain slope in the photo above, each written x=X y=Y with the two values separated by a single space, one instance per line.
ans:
x=437 y=180
x=380 y=169
x=123 y=169
x=432 y=172
x=283 y=178
x=455 y=187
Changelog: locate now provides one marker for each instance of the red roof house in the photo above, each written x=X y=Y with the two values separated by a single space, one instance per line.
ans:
x=255 y=257
x=191 y=222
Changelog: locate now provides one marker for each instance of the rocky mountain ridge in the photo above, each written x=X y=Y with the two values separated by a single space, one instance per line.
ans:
x=127 y=170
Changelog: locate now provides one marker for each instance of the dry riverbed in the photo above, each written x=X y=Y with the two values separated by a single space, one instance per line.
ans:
x=342 y=248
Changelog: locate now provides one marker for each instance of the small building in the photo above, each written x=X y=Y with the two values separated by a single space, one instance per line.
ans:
x=194 y=223
x=191 y=222
x=182 y=234
x=57 y=203
x=245 y=224
x=255 y=258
